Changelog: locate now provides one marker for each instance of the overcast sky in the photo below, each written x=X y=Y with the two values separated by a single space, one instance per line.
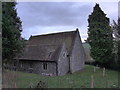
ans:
x=51 y=17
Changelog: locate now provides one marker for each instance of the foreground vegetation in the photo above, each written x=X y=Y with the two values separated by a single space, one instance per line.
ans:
x=77 y=80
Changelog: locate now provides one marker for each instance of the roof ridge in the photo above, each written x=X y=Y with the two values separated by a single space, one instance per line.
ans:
x=54 y=33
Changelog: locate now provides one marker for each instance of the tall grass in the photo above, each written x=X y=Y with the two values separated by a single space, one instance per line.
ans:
x=9 y=79
x=87 y=78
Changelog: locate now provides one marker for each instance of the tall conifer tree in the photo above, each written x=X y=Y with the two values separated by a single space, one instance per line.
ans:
x=11 y=28
x=100 y=37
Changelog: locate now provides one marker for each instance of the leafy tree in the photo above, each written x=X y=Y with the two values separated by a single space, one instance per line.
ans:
x=116 y=33
x=12 y=43
x=0 y=48
x=118 y=28
x=115 y=28
x=100 y=37
x=119 y=53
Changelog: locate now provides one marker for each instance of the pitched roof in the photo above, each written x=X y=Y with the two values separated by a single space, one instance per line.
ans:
x=47 y=47
x=54 y=39
x=41 y=52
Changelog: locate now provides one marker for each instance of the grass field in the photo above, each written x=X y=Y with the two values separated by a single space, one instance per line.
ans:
x=77 y=80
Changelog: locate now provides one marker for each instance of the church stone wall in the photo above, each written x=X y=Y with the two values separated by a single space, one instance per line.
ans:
x=63 y=62
x=37 y=67
x=77 y=57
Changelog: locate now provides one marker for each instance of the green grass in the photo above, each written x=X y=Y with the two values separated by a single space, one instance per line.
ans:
x=76 y=80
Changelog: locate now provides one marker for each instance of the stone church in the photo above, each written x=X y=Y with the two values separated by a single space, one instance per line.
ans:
x=53 y=54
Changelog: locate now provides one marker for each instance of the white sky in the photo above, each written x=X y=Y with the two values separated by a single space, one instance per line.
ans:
x=42 y=18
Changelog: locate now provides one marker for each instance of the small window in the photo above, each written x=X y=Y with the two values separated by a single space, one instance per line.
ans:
x=67 y=55
x=45 y=66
